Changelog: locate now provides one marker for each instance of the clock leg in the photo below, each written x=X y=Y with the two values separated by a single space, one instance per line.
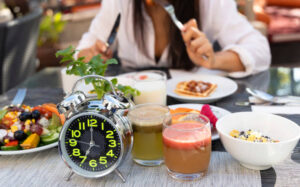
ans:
x=69 y=175
x=120 y=175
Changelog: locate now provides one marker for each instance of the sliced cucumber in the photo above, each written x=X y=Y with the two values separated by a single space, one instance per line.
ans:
x=54 y=122
x=45 y=131
x=51 y=139
x=58 y=129
x=48 y=135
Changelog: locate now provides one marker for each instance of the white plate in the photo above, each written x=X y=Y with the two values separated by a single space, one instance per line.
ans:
x=219 y=113
x=21 y=152
x=129 y=75
x=226 y=87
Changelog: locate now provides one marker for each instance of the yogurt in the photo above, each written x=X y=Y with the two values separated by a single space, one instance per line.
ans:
x=152 y=86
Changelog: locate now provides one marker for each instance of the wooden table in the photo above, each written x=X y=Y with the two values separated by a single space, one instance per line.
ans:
x=47 y=169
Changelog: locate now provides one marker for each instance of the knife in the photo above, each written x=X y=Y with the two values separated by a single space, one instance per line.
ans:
x=113 y=33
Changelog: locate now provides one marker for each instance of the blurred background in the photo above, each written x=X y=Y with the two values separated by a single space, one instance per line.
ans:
x=31 y=31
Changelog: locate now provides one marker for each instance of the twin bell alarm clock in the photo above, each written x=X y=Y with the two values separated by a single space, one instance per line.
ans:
x=97 y=135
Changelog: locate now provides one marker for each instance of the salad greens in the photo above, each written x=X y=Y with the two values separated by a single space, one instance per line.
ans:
x=26 y=127
x=96 y=66
x=2 y=113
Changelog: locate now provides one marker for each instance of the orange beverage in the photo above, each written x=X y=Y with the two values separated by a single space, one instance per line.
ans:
x=187 y=146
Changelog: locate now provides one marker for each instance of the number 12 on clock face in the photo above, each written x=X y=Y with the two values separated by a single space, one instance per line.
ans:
x=90 y=123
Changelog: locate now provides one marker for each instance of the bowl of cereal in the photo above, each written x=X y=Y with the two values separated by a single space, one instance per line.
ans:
x=258 y=140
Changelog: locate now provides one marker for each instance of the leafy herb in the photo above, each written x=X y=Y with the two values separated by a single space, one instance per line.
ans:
x=96 y=66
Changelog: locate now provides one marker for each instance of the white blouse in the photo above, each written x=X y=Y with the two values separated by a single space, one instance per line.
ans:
x=220 y=22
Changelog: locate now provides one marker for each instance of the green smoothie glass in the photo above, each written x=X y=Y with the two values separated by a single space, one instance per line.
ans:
x=147 y=120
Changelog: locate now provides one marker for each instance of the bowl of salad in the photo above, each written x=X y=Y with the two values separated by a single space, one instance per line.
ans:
x=28 y=129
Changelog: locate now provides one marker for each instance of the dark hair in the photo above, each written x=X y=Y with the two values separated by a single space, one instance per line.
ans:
x=184 y=10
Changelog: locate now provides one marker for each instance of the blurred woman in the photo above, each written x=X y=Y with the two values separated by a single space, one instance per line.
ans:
x=148 y=37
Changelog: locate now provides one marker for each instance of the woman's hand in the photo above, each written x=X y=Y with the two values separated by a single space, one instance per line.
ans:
x=99 y=48
x=197 y=45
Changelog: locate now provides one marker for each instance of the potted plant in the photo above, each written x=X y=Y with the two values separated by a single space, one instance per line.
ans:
x=52 y=25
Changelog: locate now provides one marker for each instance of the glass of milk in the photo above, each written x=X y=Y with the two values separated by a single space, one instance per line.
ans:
x=152 y=85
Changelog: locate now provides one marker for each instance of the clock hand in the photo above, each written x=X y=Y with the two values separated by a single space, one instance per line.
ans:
x=94 y=145
x=86 y=143
x=92 y=142
x=83 y=142
x=88 y=151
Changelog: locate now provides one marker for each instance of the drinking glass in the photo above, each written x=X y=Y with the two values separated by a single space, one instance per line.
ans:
x=152 y=86
x=146 y=120
x=186 y=145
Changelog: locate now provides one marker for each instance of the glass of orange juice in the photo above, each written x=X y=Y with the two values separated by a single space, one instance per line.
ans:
x=186 y=145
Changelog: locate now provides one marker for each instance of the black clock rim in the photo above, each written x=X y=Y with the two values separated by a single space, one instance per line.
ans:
x=76 y=169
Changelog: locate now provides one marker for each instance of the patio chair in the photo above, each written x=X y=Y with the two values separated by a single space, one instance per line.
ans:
x=18 y=40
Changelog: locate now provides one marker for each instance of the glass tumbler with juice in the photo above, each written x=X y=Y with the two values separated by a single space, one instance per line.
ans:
x=146 y=120
x=187 y=145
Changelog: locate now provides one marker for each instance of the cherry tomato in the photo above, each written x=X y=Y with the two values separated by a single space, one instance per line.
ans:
x=48 y=114
x=39 y=108
x=43 y=111
x=7 y=121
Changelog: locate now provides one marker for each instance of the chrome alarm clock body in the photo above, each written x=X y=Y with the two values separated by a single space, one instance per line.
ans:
x=97 y=135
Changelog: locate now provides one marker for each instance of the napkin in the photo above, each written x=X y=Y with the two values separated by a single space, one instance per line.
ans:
x=289 y=109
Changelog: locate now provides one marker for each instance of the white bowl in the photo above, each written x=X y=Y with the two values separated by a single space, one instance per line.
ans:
x=68 y=80
x=255 y=155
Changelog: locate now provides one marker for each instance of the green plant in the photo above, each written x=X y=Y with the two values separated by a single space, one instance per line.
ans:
x=96 y=66
x=50 y=28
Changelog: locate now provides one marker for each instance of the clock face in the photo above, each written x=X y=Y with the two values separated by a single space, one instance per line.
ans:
x=92 y=143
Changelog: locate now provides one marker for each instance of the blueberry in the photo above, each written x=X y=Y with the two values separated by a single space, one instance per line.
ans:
x=25 y=116
x=36 y=114
x=20 y=135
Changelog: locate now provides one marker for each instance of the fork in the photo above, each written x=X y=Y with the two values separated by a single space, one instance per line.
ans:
x=171 y=11
x=19 y=97
x=169 y=8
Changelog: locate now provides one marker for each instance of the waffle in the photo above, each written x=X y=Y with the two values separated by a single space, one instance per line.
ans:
x=195 y=88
